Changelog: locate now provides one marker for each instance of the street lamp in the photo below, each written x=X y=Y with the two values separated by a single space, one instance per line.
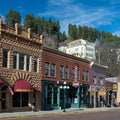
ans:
x=64 y=87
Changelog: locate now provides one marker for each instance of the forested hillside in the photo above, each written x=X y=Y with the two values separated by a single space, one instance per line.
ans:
x=107 y=45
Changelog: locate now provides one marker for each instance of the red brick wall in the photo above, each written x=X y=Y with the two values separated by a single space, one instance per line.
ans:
x=58 y=59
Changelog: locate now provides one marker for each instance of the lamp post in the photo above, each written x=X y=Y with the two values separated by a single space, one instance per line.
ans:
x=64 y=87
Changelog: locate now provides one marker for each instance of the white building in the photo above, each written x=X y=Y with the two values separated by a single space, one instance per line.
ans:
x=80 y=48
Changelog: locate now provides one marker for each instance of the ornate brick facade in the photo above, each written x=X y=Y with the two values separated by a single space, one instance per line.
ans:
x=22 y=41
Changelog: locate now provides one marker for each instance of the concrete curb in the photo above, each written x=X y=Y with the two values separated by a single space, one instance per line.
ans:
x=55 y=112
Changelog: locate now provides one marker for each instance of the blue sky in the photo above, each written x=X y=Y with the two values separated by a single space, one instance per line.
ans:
x=100 y=14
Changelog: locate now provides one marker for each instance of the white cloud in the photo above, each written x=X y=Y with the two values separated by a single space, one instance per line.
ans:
x=3 y=17
x=117 y=33
x=79 y=14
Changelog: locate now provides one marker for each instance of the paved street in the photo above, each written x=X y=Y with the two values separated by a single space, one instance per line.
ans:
x=88 y=115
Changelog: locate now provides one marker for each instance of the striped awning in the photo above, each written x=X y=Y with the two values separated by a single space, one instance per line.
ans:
x=22 y=86
x=1 y=82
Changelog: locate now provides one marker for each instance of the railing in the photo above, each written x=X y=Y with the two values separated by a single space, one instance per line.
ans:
x=20 y=32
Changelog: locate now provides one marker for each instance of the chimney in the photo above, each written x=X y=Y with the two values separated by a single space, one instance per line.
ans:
x=41 y=39
x=16 y=28
x=28 y=33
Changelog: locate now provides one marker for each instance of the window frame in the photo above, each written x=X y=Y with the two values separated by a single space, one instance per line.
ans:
x=5 y=58
x=53 y=70
x=47 y=69
x=61 y=71
x=36 y=59
x=66 y=72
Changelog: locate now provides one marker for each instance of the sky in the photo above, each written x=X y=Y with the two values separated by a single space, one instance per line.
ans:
x=99 y=14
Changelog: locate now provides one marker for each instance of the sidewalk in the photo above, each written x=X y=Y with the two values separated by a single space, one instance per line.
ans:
x=42 y=113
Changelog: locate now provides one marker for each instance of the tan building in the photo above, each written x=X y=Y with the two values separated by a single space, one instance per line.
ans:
x=20 y=66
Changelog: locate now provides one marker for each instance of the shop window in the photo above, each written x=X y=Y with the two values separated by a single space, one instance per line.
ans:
x=47 y=68
x=73 y=72
x=61 y=71
x=49 y=94
x=35 y=64
x=55 y=97
x=53 y=71
x=66 y=72
x=5 y=58
x=20 y=99
x=49 y=98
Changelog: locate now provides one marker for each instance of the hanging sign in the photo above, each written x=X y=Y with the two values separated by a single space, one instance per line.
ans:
x=75 y=82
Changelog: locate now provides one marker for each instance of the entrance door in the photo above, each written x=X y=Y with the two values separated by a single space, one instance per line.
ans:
x=3 y=104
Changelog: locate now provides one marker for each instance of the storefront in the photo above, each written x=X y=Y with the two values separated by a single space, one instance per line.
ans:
x=53 y=95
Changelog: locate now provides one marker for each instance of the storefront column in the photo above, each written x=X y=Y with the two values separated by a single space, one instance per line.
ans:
x=58 y=97
x=78 y=96
x=52 y=99
x=46 y=95
x=82 y=102
x=108 y=102
x=94 y=97
x=90 y=92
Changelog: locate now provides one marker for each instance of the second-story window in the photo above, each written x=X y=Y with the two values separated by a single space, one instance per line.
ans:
x=87 y=75
x=15 y=60
x=53 y=71
x=83 y=75
x=21 y=61
x=47 y=68
x=35 y=64
x=94 y=81
x=100 y=80
x=73 y=73
x=5 y=58
x=66 y=72
x=78 y=74
x=61 y=71
x=27 y=65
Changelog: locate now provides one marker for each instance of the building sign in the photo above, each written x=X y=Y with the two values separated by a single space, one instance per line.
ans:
x=115 y=86
x=75 y=82
x=75 y=74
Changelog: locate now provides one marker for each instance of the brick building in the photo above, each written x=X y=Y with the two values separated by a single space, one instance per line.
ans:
x=20 y=68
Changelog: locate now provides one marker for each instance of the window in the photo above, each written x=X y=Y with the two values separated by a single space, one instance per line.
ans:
x=5 y=58
x=78 y=74
x=53 y=69
x=27 y=63
x=21 y=61
x=100 y=80
x=47 y=68
x=87 y=75
x=20 y=99
x=66 y=72
x=61 y=71
x=14 y=60
x=35 y=64
x=83 y=75
x=73 y=72
x=94 y=80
